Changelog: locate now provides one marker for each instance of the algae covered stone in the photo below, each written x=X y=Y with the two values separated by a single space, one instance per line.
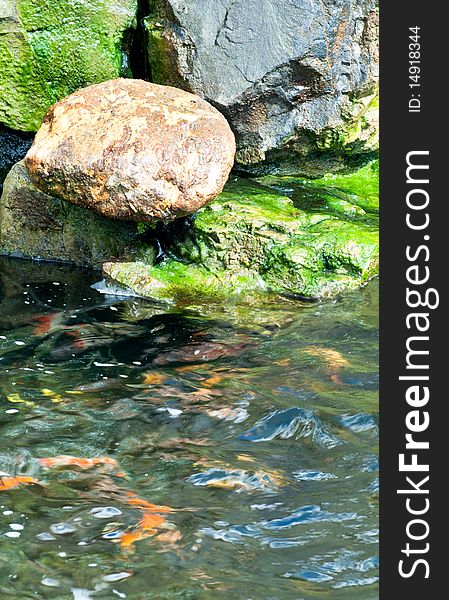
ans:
x=50 y=49
x=133 y=150
x=36 y=225
x=260 y=237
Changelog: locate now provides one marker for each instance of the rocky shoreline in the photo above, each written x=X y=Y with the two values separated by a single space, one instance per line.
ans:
x=301 y=102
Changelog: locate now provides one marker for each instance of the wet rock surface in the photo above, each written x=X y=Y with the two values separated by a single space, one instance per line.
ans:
x=133 y=150
x=36 y=225
x=296 y=80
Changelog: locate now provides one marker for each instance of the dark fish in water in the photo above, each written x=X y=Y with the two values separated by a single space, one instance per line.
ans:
x=78 y=346
x=200 y=352
x=78 y=339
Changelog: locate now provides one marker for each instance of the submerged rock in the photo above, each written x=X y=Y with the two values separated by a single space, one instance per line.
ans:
x=36 y=225
x=255 y=237
x=50 y=49
x=133 y=150
x=296 y=80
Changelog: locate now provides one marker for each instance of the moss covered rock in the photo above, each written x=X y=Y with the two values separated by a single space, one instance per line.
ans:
x=281 y=235
x=49 y=49
x=35 y=225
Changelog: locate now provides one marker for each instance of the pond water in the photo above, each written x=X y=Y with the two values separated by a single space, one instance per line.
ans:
x=199 y=451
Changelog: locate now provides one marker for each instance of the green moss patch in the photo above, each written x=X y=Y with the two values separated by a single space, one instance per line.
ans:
x=50 y=49
x=256 y=237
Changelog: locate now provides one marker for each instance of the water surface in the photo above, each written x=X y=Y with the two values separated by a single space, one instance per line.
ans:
x=200 y=451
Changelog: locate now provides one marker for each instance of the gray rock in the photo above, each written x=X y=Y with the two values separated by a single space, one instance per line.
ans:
x=296 y=78
x=36 y=225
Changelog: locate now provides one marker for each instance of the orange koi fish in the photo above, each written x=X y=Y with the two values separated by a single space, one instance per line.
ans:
x=133 y=500
x=74 y=461
x=333 y=360
x=154 y=378
x=146 y=527
x=152 y=519
x=48 y=323
x=8 y=481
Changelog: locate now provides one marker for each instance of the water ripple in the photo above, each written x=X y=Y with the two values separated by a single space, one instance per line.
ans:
x=290 y=422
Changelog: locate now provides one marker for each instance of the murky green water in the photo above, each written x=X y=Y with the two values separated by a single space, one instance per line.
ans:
x=252 y=428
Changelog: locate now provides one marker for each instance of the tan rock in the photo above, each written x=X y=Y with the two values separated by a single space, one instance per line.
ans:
x=133 y=150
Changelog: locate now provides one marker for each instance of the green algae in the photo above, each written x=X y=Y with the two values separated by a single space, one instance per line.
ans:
x=362 y=185
x=355 y=191
x=180 y=282
x=254 y=237
x=48 y=50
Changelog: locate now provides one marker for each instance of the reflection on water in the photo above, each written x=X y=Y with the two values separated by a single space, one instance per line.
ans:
x=204 y=451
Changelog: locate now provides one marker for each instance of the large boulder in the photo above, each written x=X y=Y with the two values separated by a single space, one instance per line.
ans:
x=296 y=80
x=50 y=49
x=38 y=226
x=133 y=150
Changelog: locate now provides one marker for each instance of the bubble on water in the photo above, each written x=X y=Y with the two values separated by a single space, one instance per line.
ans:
x=16 y=526
x=45 y=536
x=113 y=535
x=266 y=506
x=81 y=594
x=309 y=475
x=312 y=576
x=173 y=412
x=62 y=528
x=12 y=534
x=49 y=582
x=356 y=582
x=105 y=512
x=116 y=576
x=287 y=542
